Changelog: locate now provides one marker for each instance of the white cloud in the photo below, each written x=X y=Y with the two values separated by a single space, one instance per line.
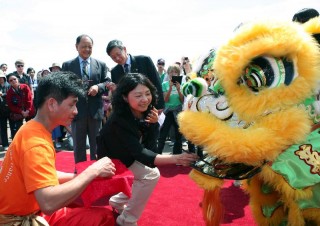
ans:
x=43 y=32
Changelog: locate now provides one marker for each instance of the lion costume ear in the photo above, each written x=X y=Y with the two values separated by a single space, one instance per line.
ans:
x=196 y=87
x=257 y=45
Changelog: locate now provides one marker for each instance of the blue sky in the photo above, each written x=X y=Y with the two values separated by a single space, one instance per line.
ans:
x=43 y=32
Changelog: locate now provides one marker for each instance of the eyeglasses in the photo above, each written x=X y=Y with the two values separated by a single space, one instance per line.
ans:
x=11 y=80
x=20 y=65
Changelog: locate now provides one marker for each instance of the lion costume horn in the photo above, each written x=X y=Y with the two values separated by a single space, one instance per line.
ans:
x=253 y=46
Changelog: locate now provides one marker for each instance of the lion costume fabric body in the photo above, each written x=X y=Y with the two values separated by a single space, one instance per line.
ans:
x=256 y=122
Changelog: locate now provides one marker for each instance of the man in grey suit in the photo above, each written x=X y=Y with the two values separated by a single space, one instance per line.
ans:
x=90 y=109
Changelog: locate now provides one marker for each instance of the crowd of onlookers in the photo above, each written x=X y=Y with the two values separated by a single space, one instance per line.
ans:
x=18 y=100
x=21 y=85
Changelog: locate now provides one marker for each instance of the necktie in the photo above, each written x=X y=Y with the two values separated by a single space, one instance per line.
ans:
x=85 y=70
x=126 y=68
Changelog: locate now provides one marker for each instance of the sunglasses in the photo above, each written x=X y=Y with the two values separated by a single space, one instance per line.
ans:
x=20 y=65
x=162 y=64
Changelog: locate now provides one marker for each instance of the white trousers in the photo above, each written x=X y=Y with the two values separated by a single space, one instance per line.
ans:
x=145 y=180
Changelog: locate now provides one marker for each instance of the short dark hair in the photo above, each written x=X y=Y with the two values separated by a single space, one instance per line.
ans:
x=127 y=84
x=78 y=40
x=59 y=85
x=10 y=75
x=113 y=44
x=30 y=69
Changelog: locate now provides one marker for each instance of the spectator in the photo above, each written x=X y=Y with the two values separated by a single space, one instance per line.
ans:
x=4 y=68
x=133 y=64
x=45 y=72
x=90 y=109
x=29 y=182
x=55 y=67
x=19 y=100
x=23 y=77
x=174 y=100
x=161 y=70
x=57 y=132
x=130 y=135
x=4 y=111
x=186 y=66
x=34 y=83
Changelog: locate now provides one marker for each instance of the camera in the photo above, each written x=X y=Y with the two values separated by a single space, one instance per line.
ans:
x=15 y=100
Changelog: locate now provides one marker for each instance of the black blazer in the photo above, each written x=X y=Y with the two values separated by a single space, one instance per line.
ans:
x=93 y=105
x=145 y=66
x=120 y=139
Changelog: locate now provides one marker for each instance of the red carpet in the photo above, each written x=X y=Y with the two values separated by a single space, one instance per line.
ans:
x=176 y=200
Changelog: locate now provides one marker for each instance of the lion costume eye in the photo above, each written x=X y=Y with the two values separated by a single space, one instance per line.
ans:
x=268 y=72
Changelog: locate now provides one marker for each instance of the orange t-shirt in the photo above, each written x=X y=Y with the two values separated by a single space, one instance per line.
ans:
x=29 y=164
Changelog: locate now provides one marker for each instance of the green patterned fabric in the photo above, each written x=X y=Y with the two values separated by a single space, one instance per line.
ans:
x=297 y=170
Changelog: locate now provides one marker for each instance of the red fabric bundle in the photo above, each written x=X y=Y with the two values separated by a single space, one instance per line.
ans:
x=102 y=187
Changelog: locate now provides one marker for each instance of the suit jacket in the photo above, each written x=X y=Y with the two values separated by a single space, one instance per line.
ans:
x=120 y=139
x=92 y=105
x=145 y=66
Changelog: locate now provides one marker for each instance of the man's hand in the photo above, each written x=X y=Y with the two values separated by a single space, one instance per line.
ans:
x=93 y=90
x=111 y=86
x=104 y=167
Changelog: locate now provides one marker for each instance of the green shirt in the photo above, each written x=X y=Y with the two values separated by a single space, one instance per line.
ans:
x=174 y=99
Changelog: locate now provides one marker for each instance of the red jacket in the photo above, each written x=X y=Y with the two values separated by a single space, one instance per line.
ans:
x=20 y=99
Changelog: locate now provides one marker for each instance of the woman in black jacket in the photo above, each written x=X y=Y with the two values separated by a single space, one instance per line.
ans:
x=130 y=135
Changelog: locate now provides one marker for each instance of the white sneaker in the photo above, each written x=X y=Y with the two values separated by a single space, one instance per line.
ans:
x=121 y=222
x=117 y=206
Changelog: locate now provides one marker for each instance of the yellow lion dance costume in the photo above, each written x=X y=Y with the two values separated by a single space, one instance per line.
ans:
x=267 y=137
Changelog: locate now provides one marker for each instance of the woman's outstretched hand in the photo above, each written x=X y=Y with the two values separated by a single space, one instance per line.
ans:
x=186 y=158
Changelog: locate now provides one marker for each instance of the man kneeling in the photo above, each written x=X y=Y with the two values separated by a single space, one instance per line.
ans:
x=29 y=182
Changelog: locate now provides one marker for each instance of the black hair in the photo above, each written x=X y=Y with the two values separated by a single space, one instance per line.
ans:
x=113 y=44
x=127 y=84
x=304 y=15
x=30 y=69
x=59 y=85
x=78 y=40
x=11 y=74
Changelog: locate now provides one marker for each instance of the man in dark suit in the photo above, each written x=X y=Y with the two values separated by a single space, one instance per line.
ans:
x=133 y=64
x=90 y=109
